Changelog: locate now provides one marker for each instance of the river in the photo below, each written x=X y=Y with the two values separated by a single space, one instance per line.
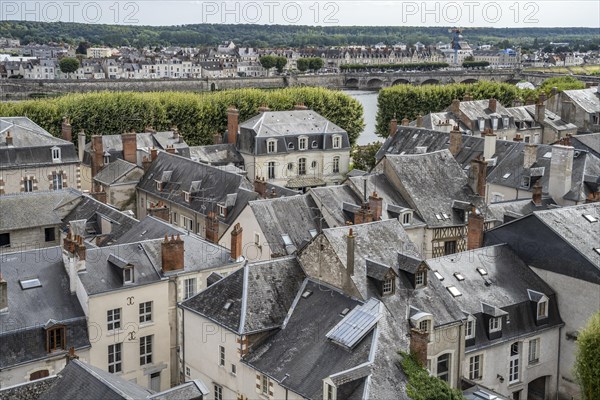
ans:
x=368 y=99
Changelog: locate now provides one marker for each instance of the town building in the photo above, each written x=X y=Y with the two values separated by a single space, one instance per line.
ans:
x=580 y=107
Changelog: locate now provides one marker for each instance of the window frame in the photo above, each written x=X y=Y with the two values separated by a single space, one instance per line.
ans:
x=264 y=385
x=542 y=306
x=470 y=326
x=56 y=338
x=388 y=286
x=495 y=324
x=189 y=288
x=128 y=275
x=533 y=357
x=420 y=277
x=28 y=184
x=514 y=366
x=271 y=170
x=335 y=167
x=303 y=143
x=475 y=367
x=113 y=319
x=49 y=237
x=406 y=218
x=336 y=141
x=145 y=312
x=146 y=349
x=57 y=181
x=221 y=356
x=302 y=166
x=56 y=156
x=271 y=143
x=116 y=365
x=218 y=392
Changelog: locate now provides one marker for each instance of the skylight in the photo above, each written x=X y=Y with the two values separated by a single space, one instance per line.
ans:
x=482 y=271
x=286 y=239
x=459 y=276
x=548 y=155
x=438 y=216
x=597 y=250
x=446 y=216
x=506 y=175
x=438 y=275
x=356 y=324
x=30 y=283
x=306 y=294
x=227 y=305
x=590 y=218
x=313 y=232
x=454 y=291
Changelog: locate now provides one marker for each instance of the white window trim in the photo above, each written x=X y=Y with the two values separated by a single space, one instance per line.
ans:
x=303 y=140
x=146 y=349
x=479 y=367
x=222 y=209
x=56 y=154
x=128 y=275
x=495 y=324
x=514 y=364
x=145 y=316
x=221 y=356
x=117 y=350
x=544 y=301
x=338 y=139
x=189 y=288
x=115 y=323
x=420 y=276
x=534 y=344
x=388 y=286
x=473 y=321
x=274 y=142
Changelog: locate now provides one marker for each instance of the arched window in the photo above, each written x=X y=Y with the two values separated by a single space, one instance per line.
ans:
x=443 y=367
x=302 y=166
x=336 y=165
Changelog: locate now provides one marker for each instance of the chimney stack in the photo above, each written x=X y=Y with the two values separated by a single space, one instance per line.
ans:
x=175 y=133
x=350 y=253
x=419 y=341
x=81 y=144
x=172 y=254
x=477 y=176
x=517 y=102
x=405 y=122
x=233 y=116
x=153 y=153
x=475 y=230
x=561 y=170
x=492 y=104
x=517 y=138
x=146 y=163
x=129 y=141
x=260 y=186
x=236 y=242
x=159 y=210
x=489 y=144
x=419 y=121
x=300 y=106
x=217 y=138
x=149 y=129
x=97 y=154
x=9 y=139
x=67 y=130
x=455 y=140
x=212 y=227
x=376 y=205
x=170 y=149
x=3 y=294
x=393 y=126
x=529 y=155
x=537 y=193
x=99 y=194
x=455 y=107
x=540 y=111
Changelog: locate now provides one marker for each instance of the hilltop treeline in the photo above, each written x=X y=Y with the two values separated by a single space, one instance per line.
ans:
x=197 y=116
x=277 y=35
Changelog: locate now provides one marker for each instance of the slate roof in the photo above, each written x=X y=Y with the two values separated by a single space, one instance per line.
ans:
x=294 y=216
x=506 y=211
x=79 y=380
x=475 y=109
x=22 y=336
x=504 y=287
x=218 y=184
x=330 y=200
x=189 y=390
x=587 y=99
x=259 y=296
x=300 y=356
x=431 y=183
x=30 y=210
x=551 y=119
x=116 y=170
x=31 y=145
x=149 y=228
x=588 y=142
x=217 y=154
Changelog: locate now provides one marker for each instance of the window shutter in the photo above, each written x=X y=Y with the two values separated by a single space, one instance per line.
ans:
x=64 y=182
x=258 y=383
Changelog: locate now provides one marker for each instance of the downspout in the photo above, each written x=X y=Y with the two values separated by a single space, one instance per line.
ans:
x=558 y=361
x=183 y=340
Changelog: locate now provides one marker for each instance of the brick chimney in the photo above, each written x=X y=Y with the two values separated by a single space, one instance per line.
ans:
x=537 y=193
x=455 y=107
x=176 y=134
x=236 y=242
x=66 y=130
x=217 y=138
x=364 y=215
x=489 y=144
x=81 y=144
x=260 y=186
x=71 y=355
x=97 y=154
x=376 y=206
x=233 y=116
x=153 y=153
x=300 y=106
x=146 y=163
x=467 y=96
x=540 y=111
x=419 y=121
x=212 y=228
x=419 y=341
x=80 y=249
x=3 y=294
x=477 y=176
x=149 y=129
x=129 y=141
x=350 y=252
x=393 y=126
x=455 y=140
x=529 y=155
x=159 y=210
x=172 y=254
x=99 y=194
x=561 y=170
x=405 y=122
x=475 y=230
x=170 y=149
x=492 y=104
x=9 y=139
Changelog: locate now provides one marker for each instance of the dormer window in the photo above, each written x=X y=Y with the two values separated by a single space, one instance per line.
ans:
x=128 y=274
x=542 y=309
x=290 y=146
x=470 y=328
x=420 y=278
x=388 y=286
x=329 y=392
x=337 y=142
x=494 y=123
x=481 y=122
x=271 y=146
x=424 y=326
x=55 y=154
x=406 y=218
x=55 y=338
x=495 y=324
x=303 y=143
x=314 y=144
x=222 y=210
x=186 y=197
x=106 y=160
x=505 y=122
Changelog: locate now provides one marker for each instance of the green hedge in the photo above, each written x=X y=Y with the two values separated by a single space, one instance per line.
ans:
x=422 y=386
x=197 y=116
x=407 y=101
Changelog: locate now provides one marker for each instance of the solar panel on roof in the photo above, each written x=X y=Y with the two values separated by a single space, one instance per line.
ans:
x=356 y=324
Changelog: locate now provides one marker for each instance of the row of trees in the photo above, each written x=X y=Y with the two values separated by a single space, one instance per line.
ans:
x=407 y=101
x=423 y=66
x=475 y=64
x=197 y=116
x=269 y=62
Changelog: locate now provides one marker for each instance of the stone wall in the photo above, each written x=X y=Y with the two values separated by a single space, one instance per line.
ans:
x=29 y=390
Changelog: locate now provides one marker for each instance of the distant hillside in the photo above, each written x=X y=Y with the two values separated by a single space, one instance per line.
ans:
x=280 y=35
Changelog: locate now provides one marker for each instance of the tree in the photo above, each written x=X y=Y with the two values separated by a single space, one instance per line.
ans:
x=68 y=65
x=267 y=62
x=280 y=63
x=588 y=359
x=82 y=48
x=315 y=63
x=469 y=58
x=302 y=64
x=363 y=157
x=422 y=386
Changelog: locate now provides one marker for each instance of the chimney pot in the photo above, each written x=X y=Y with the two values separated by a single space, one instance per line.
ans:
x=419 y=121
x=98 y=154
x=81 y=144
x=376 y=206
x=67 y=130
x=393 y=126
x=350 y=253
x=455 y=107
x=455 y=140
x=172 y=254
x=492 y=104
x=405 y=122
x=537 y=194
x=475 y=230
x=300 y=106
x=153 y=154
x=236 y=242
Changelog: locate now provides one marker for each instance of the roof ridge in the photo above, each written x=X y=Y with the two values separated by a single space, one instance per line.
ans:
x=100 y=378
x=244 y=299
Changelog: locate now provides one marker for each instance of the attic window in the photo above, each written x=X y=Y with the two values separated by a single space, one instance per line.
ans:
x=314 y=144
x=55 y=338
x=459 y=276
x=290 y=146
x=438 y=275
x=55 y=154
x=388 y=286
x=337 y=142
x=186 y=196
x=30 y=283
x=446 y=216
x=454 y=291
x=222 y=209
x=286 y=239
x=128 y=275
x=525 y=182
x=597 y=250
x=482 y=271
x=227 y=305
x=590 y=218
x=345 y=311
x=306 y=294
x=542 y=309
x=438 y=217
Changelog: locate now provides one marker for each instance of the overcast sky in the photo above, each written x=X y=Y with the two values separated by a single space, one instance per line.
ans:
x=501 y=13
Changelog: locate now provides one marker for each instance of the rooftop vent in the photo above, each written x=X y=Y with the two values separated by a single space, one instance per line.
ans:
x=548 y=155
x=345 y=311
x=506 y=175
x=597 y=250
x=227 y=305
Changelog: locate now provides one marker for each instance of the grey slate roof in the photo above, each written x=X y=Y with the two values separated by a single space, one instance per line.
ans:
x=330 y=200
x=29 y=210
x=587 y=99
x=431 y=183
x=149 y=228
x=31 y=145
x=79 y=380
x=504 y=289
x=588 y=142
x=294 y=216
x=259 y=296
x=189 y=390
x=217 y=154
x=22 y=336
x=116 y=170
x=506 y=211
x=300 y=356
